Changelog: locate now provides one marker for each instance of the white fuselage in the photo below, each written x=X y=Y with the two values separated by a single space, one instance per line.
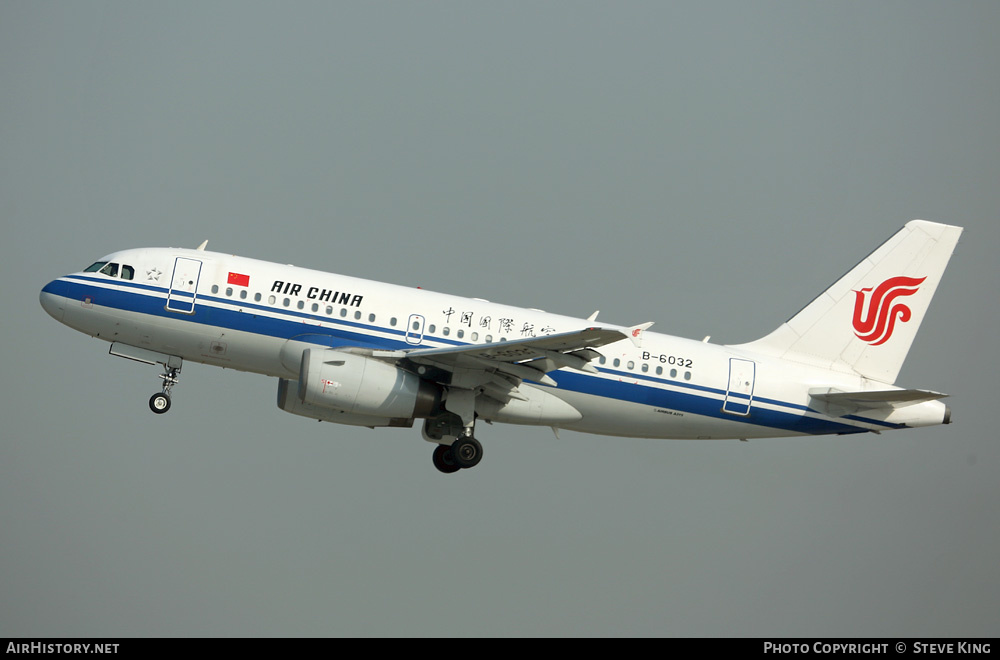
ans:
x=258 y=317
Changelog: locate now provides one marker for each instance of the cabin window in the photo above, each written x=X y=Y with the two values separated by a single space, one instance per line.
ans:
x=215 y=288
x=489 y=339
x=371 y=318
x=431 y=328
x=602 y=360
x=286 y=302
x=301 y=304
x=645 y=367
x=315 y=307
x=687 y=375
x=271 y=300
x=257 y=297
x=446 y=331
x=659 y=371
x=474 y=336
x=392 y=321
x=357 y=315
x=343 y=312
x=460 y=333
x=229 y=291
x=243 y=294
x=673 y=373
x=617 y=362
x=329 y=310
x=631 y=365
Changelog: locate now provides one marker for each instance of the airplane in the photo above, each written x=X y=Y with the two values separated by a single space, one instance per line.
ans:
x=365 y=353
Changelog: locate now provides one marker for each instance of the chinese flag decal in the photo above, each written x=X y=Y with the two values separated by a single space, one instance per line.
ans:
x=239 y=279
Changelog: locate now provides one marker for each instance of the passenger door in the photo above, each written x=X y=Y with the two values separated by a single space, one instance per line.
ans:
x=184 y=285
x=739 y=396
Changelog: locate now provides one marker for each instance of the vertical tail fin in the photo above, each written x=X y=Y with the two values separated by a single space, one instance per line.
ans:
x=866 y=321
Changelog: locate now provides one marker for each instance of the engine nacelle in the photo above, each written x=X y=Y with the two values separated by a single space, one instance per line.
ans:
x=288 y=400
x=364 y=386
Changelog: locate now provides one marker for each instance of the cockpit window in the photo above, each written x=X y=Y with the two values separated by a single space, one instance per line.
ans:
x=111 y=269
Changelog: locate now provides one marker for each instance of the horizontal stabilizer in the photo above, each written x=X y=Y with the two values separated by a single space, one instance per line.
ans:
x=838 y=404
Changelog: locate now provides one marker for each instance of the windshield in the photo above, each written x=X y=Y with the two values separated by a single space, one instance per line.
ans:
x=111 y=269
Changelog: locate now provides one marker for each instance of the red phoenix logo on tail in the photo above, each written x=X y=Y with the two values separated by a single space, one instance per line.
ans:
x=875 y=325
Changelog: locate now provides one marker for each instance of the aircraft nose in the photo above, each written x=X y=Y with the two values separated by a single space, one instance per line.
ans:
x=51 y=302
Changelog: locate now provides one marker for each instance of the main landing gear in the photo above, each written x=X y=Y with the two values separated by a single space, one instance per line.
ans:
x=160 y=402
x=456 y=448
x=463 y=453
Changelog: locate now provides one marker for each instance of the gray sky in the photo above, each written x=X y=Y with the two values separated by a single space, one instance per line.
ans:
x=709 y=166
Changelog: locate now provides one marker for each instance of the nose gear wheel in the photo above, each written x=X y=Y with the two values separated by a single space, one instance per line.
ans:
x=160 y=402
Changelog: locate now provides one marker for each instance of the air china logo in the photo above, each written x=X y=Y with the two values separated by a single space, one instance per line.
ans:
x=876 y=313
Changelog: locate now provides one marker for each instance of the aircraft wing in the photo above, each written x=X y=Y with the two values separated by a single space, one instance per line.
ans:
x=530 y=358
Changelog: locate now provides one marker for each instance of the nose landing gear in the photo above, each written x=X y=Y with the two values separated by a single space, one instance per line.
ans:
x=160 y=402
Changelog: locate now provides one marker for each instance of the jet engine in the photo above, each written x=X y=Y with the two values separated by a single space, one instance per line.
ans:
x=353 y=389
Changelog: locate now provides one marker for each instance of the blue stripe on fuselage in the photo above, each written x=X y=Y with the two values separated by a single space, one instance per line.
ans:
x=136 y=297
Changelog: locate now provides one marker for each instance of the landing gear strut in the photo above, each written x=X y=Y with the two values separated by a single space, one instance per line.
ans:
x=160 y=402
